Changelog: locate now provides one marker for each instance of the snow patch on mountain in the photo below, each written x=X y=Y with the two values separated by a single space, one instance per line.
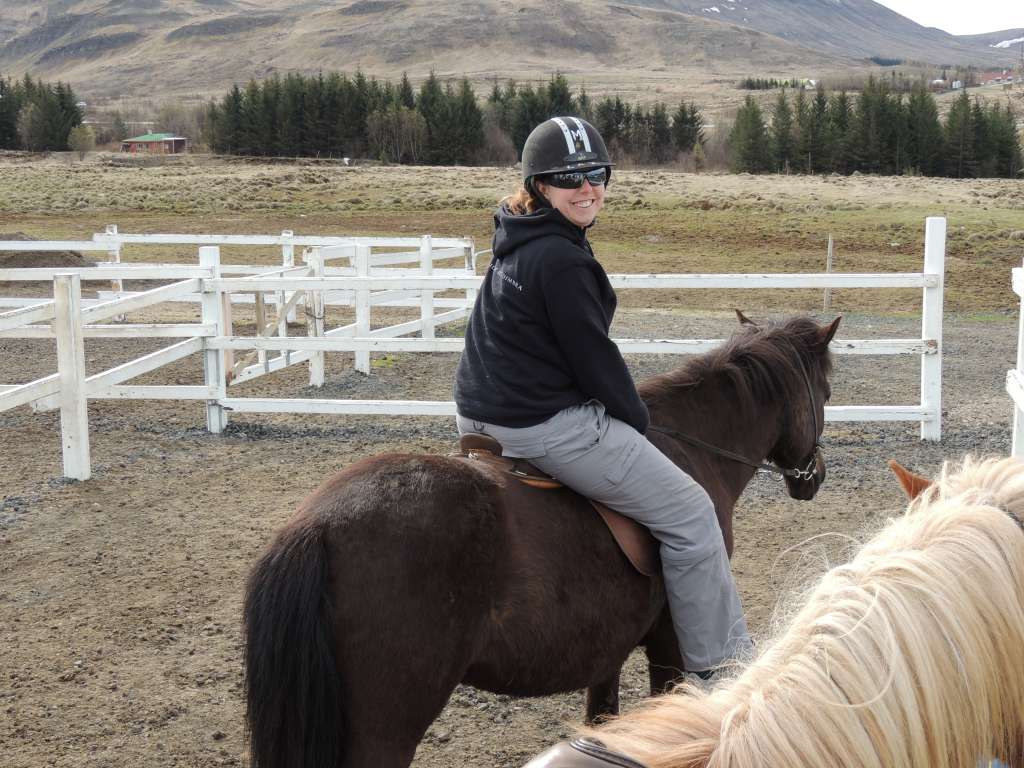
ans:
x=1008 y=43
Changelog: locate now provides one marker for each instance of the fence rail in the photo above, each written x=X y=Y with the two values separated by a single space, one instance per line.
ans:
x=365 y=284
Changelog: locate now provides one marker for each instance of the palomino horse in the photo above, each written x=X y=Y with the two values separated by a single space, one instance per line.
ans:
x=910 y=655
x=404 y=575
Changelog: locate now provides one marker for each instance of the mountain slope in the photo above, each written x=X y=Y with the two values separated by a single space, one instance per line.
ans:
x=639 y=47
x=859 y=28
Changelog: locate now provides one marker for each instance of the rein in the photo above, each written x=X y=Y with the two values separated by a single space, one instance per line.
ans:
x=807 y=473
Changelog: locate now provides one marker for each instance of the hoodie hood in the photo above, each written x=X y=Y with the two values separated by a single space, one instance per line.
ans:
x=512 y=231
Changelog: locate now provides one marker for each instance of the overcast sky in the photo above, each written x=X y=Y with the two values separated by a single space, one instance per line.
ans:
x=962 y=17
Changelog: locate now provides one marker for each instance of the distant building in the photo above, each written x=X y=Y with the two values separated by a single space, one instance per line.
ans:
x=996 y=78
x=958 y=84
x=155 y=144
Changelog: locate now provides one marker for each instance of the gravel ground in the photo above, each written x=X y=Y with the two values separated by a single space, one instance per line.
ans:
x=120 y=596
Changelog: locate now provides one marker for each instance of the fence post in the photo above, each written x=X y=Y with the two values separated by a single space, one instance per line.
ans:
x=74 y=414
x=828 y=269
x=471 y=262
x=114 y=254
x=426 y=297
x=1017 y=448
x=213 y=359
x=362 y=307
x=315 y=318
x=931 y=326
x=261 y=327
x=288 y=260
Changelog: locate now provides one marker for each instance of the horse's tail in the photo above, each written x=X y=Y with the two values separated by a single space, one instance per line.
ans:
x=294 y=715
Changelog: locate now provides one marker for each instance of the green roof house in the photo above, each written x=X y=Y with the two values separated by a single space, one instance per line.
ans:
x=155 y=144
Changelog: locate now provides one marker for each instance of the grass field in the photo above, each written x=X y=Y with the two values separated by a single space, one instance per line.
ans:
x=655 y=220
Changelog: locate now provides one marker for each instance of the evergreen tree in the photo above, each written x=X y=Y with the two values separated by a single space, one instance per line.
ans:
x=469 y=123
x=837 y=133
x=250 y=142
x=639 y=137
x=559 y=97
x=1006 y=142
x=11 y=100
x=584 y=108
x=984 y=145
x=817 y=150
x=229 y=122
x=406 y=97
x=332 y=115
x=431 y=104
x=316 y=131
x=924 y=133
x=872 y=134
x=960 y=137
x=118 y=129
x=291 y=115
x=801 y=130
x=612 y=117
x=528 y=110
x=66 y=115
x=687 y=127
x=663 y=147
x=782 y=143
x=748 y=142
x=448 y=131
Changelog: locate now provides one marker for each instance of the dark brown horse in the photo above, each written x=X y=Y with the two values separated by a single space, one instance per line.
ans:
x=404 y=575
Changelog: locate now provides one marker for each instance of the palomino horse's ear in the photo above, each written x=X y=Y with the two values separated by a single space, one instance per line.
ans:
x=744 y=320
x=913 y=484
x=827 y=332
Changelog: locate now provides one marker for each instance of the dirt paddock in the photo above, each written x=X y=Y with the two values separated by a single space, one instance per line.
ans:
x=120 y=596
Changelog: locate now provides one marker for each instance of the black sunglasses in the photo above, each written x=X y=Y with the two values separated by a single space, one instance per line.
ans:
x=597 y=177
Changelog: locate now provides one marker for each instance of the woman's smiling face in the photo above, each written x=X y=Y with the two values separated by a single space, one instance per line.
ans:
x=580 y=206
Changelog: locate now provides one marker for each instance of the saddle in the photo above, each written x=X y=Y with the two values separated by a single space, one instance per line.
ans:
x=581 y=753
x=635 y=541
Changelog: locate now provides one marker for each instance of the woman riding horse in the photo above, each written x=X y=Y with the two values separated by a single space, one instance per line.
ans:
x=541 y=376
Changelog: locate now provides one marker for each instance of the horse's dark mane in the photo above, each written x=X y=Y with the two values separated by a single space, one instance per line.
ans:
x=757 y=364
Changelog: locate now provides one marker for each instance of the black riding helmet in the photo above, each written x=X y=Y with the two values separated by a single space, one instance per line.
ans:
x=563 y=144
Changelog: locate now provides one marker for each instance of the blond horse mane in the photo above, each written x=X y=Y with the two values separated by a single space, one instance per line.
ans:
x=910 y=655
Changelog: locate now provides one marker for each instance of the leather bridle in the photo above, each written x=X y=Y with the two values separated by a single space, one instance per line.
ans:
x=807 y=473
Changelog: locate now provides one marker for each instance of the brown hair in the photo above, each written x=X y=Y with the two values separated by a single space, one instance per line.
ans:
x=523 y=201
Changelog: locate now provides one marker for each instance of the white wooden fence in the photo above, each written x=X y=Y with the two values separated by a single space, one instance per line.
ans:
x=1015 y=376
x=70 y=388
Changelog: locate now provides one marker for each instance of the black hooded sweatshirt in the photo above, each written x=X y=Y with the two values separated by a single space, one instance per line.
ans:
x=537 y=340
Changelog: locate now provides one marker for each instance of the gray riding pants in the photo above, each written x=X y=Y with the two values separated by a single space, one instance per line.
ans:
x=605 y=459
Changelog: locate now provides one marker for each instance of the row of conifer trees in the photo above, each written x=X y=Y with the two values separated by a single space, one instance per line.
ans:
x=879 y=131
x=36 y=116
x=440 y=124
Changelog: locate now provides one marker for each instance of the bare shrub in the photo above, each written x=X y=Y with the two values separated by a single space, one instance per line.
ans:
x=81 y=140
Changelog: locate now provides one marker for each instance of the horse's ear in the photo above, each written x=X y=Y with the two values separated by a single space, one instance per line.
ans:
x=827 y=332
x=913 y=484
x=744 y=320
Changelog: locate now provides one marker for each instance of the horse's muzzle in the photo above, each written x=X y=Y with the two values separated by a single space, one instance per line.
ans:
x=804 y=488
